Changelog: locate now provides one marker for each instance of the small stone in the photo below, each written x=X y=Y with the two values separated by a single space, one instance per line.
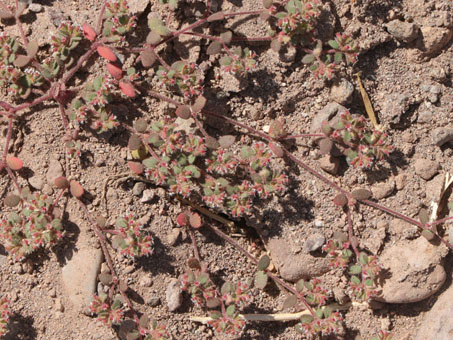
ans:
x=138 y=188
x=319 y=224
x=146 y=281
x=99 y=162
x=383 y=190
x=415 y=271
x=148 y=196
x=293 y=267
x=17 y=268
x=47 y=189
x=80 y=275
x=425 y=116
x=154 y=301
x=137 y=7
x=394 y=107
x=442 y=135
x=53 y=292
x=436 y=322
x=173 y=236
x=434 y=39
x=36 y=182
x=400 y=181
x=403 y=31
x=58 y=305
x=426 y=168
x=314 y=242
x=173 y=295
x=35 y=8
x=342 y=91
x=55 y=170
x=129 y=269
x=329 y=164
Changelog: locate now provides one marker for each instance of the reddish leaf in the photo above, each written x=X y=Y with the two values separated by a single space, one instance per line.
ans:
x=226 y=37
x=361 y=194
x=216 y=16
x=61 y=182
x=276 y=149
x=11 y=200
x=148 y=58
x=277 y=129
x=195 y=220
x=267 y=4
x=107 y=53
x=21 y=60
x=183 y=111
x=153 y=38
x=182 y=219
x=340 y=200
x=226 y=141
x=14 y=163
x=127 y=89
x=136 y=167
x=199 y=104
x=89 y=32
x=76 y=189
x=115 y=71
x=32 y=48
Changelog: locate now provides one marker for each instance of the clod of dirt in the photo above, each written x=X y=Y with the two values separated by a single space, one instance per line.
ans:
x=383 y=190
x=35 y=8
x=55 y=170
x=294 y=267
x=434 y=39
x=36 y=182
x=442 y=135
x=342 y=91
x=330 y=112
x=438 y=320
x=137 y=7
x=148 y=196
x=173 y=236
x=173 y=295
x=426 y=168
x=395 y=105
x=413 y=271
x=138 y=188
x=79 y=276
x=403 y=31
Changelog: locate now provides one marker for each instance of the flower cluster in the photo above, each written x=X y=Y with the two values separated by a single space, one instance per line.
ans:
x=338 y=252
x=4 y=315
x=239 y=62
x=131 y=239
x=67 y=38
x=119 y=21
x=325 y=323
x=361 y=144
x=107 y=311
x=186 y=77
x=231 y=297
x=363 y=285
x=33 y=227
x=313 y=291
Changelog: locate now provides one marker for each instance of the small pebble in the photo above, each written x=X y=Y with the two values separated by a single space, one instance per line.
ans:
x=173 y=295
x=319 y=224
x=138 y=188
x=442 y=135
x=59 y=305
x=173 y=236
x=146 y=281
x=314 y=242
x=148 y=196
x=35 y=8
x=426 y=168
x=154 y=301
x=129 y=269
x=342 y=91
x=36 y=182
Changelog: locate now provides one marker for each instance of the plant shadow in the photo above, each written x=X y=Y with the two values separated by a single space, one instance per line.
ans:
x=20 y=328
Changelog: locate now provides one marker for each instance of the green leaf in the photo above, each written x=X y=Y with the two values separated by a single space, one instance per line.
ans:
x=264 y=262
x=308 y=59
x=334 y=44
x=162 y=31
x=306 y=319
x=261 y=279
x=356 y=269
x=230 y=310
x=364 y=259
x=121 y=223
x=290 y=302
x=97 y=83
x=355 y=280
x=154 y=22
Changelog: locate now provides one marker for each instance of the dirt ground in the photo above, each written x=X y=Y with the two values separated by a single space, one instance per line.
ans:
x=410 y=86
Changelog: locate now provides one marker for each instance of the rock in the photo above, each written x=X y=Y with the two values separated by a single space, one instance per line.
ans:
x=36 y=182
x=330 y=112
x=173 y=295
x=394 y=107
x=400 y=181
x=437 y=321
x=434 y=39
x=47 y=189
x=403 y=31
x=414 y=271
x=293 y=267
x=79 y=276
x=129 y=269
x=148 y=196
x=35 y=8
x=383 y=190
x=53 y=292
x=138 y=188
x=154 y=301
x=173 y=236
x=146 y=281
x=442 y=135
x=329 y=164
x=137 y=7
x=319 y=224
x=342 y=91
x=375 y=241
x=55 y=170
x=59 y=305
x=314 y=242
x=426 y=168
x=425 y=116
